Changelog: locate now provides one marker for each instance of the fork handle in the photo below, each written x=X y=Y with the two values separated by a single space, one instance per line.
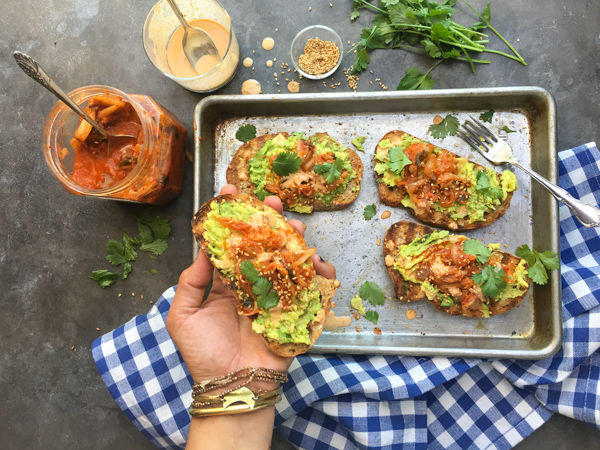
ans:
x=587 y=214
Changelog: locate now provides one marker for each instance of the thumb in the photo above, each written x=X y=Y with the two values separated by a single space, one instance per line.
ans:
x=190 y=289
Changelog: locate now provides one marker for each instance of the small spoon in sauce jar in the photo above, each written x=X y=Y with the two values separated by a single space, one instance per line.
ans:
x=198 y=47
x=35 y=71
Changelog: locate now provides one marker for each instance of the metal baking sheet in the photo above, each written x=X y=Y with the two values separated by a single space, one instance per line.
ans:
x=346 y=239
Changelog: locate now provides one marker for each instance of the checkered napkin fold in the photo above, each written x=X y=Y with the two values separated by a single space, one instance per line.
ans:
x=382 y=402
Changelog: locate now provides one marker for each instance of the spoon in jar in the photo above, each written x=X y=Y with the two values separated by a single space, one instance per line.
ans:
x=197 y=44
x=35 y=71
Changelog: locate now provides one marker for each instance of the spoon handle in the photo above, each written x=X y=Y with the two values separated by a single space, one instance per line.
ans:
x=34 y=70
x=179 y=15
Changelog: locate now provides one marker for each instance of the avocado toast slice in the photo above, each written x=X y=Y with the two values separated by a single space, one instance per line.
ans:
x=439 y=187
x=460 y=276
x=266 y=264
x=307 y=174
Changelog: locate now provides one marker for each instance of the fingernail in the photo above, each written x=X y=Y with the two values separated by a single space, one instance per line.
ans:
x=322 y=260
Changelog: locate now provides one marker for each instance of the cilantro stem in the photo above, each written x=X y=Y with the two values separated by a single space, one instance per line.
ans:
x=366 y=4
x=519 y=57
x=470 y=60
x=459 y=58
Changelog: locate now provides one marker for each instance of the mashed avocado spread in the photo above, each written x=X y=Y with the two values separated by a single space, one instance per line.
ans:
x=481 y=197
x=261 y=168
x=277 y=324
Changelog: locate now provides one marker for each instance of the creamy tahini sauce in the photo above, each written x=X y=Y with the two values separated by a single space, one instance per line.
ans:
x=411 y=314
x=248 y=62
x=334 y=323
x=251 y=87
x=268 y=43
x=179 y=64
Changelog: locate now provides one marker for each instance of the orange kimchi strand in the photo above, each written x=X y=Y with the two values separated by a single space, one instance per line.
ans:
x=286 y=270
x=432 y=177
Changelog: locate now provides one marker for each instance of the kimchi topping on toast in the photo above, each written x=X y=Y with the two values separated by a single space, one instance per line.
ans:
x=438 y=186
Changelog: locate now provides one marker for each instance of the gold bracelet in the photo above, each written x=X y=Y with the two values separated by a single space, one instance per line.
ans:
x=237 y=402
x=241 y=395
x=235 y=409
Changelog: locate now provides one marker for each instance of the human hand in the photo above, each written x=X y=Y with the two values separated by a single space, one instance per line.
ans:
x=212 y=337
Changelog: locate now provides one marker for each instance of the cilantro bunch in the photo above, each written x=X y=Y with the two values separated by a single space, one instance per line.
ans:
x=153 y=230
x=424 y=26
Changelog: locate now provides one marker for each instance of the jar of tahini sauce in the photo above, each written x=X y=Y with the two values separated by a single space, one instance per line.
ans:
x=147 y=168
x=163 y=33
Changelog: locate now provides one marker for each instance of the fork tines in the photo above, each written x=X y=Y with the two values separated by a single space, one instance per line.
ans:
x=477 y=135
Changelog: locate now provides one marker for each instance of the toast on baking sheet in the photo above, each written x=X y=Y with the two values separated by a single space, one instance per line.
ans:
x=439 y=187
x=307 y=174
x=439 y=266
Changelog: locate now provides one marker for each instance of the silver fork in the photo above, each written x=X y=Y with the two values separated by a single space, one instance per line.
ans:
x=497 y=151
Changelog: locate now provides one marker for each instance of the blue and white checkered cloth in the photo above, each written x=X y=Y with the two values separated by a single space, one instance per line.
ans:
x=381 y=402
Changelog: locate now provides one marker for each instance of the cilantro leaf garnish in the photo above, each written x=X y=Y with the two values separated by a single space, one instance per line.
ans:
x=286 y=163
x=372 y=292
x=369 y=211
x=153 y=229
x=485 y=187
x=448 y=126
x=538 y=263
x=249 y=271
x=476 y=248
x=331 y=171
x=144 y=233
x=508 y=130
x=261 y=287
x=491 y=279
x=245 y=133
x=158 y=223
x=487 y=116
x=103 y=277
x=265 y=298
x=129 y=244
x=397 y=160
x=373 y=316
x=115 y=252
x=126 y=270
x=358 y=142
x=157 y=247
x=414 y=79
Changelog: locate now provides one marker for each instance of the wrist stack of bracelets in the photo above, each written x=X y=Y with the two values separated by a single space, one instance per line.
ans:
x=239 y=398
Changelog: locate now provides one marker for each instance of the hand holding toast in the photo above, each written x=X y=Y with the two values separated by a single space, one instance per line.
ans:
x=212 y=337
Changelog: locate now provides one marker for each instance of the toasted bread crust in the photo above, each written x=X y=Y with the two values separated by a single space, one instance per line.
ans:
x=325 y=286
x=393 y=196
x=403 y=233
x=238 y=172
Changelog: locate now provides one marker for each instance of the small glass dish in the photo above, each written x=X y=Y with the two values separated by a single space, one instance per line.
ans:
x=315 y=31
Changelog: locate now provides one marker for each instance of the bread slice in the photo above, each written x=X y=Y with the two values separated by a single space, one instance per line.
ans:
x=393 y=195
x=403 y=233
x=238 y=174
x=324 y=286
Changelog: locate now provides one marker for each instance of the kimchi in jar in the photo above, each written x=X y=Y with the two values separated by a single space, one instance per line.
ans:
x=146 y=167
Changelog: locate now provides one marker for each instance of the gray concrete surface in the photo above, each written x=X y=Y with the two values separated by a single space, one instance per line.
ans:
x=50 y=395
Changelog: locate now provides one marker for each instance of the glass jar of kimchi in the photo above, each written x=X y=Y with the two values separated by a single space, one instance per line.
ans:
x=146 y=168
